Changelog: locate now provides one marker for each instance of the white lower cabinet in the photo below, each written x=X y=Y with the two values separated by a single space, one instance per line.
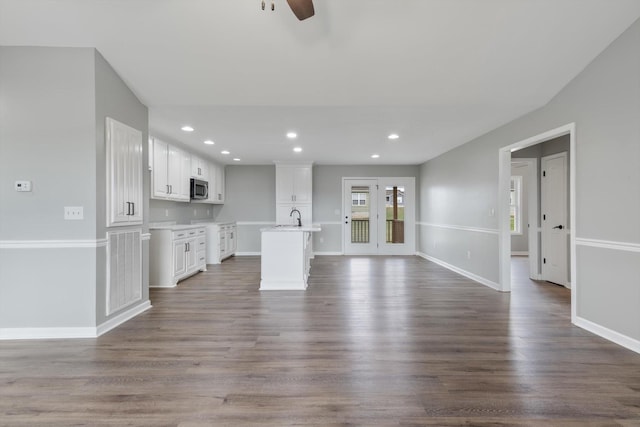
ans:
x=176 y=254
x=221 y=241
x=124 y=269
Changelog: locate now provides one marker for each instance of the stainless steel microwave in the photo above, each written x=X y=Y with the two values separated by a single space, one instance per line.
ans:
x=199 y=189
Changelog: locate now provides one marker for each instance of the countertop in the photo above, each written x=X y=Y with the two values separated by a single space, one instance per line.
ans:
x=289 y=228
x=174 y=227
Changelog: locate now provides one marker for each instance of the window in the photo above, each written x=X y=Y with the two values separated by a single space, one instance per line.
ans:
x=359 y=199
x=515 y=205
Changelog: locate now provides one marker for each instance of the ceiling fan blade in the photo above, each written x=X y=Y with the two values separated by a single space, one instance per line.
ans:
x=303 y=9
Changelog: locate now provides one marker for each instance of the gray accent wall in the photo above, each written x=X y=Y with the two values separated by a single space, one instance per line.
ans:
x=54 y=102
x=460 y=187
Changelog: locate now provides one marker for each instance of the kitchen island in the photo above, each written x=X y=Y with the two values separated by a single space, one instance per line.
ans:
x=286 y=257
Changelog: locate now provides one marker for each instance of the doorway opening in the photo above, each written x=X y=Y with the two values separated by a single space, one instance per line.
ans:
x=378 y=216
x=558 y=228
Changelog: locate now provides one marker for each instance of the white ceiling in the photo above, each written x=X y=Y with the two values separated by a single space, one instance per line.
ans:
x=437 y=72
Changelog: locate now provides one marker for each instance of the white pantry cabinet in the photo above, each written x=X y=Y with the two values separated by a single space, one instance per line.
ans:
x=124 y=174
x=176 y=253
x=294 y=191
x=170 y=176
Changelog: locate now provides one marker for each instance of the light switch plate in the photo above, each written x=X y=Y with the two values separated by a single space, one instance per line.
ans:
x=22 y=186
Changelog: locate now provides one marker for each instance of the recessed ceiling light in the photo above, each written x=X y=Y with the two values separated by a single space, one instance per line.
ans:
x=375 y=156
x=187 y=128
x=393 y=136
x=292 y=135
x=225 y=152
x=297 y=149
x=209 y=142
x=236 y=159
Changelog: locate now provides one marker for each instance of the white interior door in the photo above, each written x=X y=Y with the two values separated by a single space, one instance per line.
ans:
x=360 y=235
x=554 y=202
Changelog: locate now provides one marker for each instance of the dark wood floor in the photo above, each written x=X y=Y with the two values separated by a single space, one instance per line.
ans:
x=374 y=341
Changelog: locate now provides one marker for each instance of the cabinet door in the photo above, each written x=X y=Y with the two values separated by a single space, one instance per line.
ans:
x=219 y=194
x=184 y=183
x=179 y=258
x=233 y=243
x=160 y=172
x=191 y=254
x=174 y=171
x=301 y=184
x=124 y=173
x=284 y=184
x=135 y=187
x=199 y=168
x=124 y=269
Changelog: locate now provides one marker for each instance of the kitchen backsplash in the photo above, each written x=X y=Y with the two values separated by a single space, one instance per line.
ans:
x=181 y=213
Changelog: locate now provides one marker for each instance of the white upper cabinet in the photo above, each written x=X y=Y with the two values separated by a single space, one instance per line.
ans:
x=293 y=183
x=170 y=174
x=199 y=168
x=124 y=174
x=294 y=191
x=216 y=183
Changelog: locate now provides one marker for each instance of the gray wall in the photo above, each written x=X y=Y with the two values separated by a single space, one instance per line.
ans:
x=251 y=195
x=460 y=187
x=54 y=102
x=47 y=136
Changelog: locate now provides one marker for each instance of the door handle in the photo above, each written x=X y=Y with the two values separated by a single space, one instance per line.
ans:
x=560 y=227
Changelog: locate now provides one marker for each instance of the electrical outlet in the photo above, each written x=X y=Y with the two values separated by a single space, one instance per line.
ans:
x=195 y=212
x=492 y=212
x=73 y=212
x=468 y=254
x=166 y=212
x=435 y=244
x=208 y=212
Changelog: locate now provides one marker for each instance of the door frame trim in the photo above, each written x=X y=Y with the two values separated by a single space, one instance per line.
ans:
x=504 y=182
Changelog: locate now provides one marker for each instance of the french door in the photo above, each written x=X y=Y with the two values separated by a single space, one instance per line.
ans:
x=378 y=216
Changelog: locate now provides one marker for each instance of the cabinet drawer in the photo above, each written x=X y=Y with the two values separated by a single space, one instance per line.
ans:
x=201 y=257
x=201 y=243
x=201 y=231
x=177 y=235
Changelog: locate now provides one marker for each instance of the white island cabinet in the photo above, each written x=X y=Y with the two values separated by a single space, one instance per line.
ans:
x=286 y=257
x=175 y=253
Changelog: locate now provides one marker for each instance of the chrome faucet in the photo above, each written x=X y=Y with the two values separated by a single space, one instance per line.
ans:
x=299 y=216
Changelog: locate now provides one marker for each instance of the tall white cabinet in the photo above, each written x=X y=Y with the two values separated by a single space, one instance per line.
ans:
x=294 y=190
x=124 y=166
x=124 y=174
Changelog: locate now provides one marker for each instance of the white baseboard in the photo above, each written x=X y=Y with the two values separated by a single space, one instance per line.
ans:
x=67 y=333
x=519 y=253
x=328 y=253
x=248 y=253
x=282 y=285
x=122 y=317
x=465 y=273
x=46 y=333
x=606 y=333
